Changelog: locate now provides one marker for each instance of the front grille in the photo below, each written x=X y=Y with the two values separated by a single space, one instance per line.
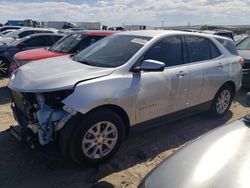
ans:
x=246 y=64
x=22 y=105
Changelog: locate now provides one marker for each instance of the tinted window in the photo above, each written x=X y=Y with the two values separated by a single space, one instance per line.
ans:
x=244 y=45
x=169 y=51
x=41 y=31
x=38 y=41
x=25 y=33
x=214 y=50
x=67 y=44
x=112 y=51
x=199 y=48
x=55 y=39
x=228 y=35
x=87 y=41
x=229 y=45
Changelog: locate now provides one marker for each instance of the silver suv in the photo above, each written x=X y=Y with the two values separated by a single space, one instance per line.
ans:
x=87 y=103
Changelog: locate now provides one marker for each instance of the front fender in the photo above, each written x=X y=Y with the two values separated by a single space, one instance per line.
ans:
x=110 y=90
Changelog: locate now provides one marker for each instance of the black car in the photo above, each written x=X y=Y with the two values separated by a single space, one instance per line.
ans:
x=219 y=159
x=243 y=48
x=7 y=52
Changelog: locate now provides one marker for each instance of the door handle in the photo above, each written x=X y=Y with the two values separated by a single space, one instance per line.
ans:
x=181 y=74
x=220 y=65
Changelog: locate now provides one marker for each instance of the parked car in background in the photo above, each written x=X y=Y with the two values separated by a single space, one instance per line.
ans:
x=220 y=158
x=70 y=44
x=88 y=102
x=220 y=32
x=9 y=27
x=6 y=31
x=7 y=52
x=239 y=38
x=243 y=48
x=23 y=32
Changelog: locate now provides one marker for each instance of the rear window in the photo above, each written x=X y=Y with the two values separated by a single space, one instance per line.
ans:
x=229 y=45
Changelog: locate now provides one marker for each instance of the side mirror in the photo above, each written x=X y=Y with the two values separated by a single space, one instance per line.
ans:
x=150 y=66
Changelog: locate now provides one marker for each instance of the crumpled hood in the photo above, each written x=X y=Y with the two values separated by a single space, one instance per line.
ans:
x=53 y=74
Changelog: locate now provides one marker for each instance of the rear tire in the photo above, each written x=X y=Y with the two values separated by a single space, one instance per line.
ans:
x=97 y=137
x=221 y=102
x=4 y=66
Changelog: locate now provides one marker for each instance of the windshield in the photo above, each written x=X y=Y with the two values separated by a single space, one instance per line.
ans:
x=244 y=44
x=112 y=51
x=67 y=44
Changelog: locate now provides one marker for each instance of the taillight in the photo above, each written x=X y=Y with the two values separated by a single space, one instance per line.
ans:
x=242 y=62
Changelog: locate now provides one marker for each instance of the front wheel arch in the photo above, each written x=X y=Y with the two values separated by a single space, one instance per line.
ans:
x=65 y=134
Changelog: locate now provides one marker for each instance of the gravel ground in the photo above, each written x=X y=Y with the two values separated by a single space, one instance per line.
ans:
x=22 y=167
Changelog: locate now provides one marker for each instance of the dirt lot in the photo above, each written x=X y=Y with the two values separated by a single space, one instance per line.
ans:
x=22 y=167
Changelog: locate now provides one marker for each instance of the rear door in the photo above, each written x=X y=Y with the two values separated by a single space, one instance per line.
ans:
x=205 y=67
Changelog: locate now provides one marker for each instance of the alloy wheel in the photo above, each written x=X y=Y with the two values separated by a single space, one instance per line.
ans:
x=223 y=101
x=100 y=140
x=3 y=68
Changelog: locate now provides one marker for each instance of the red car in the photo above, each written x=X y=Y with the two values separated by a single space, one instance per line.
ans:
x=70 y=44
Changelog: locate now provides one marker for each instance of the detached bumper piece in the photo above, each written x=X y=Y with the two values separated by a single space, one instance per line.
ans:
x=24 y=135
x=50 y=151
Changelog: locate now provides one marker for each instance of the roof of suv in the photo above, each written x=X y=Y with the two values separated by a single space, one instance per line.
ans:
x=154 y=33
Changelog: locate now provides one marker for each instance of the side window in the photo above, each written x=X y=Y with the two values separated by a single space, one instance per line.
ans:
x=214 y=50
x=229 y=45
x=55 y=39
x=199 y=48
x=41 y=31
x=169 y=51
x=87 y=41
x=38 y=41
x=25 y=33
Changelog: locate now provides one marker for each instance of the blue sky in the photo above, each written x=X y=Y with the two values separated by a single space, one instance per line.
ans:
x=118 y=12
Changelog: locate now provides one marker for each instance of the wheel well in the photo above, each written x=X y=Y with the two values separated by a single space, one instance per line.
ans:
x=232 y=85
x=118 y=110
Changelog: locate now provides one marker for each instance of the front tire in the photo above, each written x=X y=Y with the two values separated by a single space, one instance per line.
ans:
x=222 y=102
x=97 y=137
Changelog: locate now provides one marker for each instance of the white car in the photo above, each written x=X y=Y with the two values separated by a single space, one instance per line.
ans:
x=89 y=102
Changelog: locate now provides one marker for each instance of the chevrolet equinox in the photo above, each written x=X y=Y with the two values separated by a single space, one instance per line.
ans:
x=87 y=103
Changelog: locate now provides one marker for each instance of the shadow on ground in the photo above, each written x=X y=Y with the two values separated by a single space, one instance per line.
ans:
x=241 y=96
x=4 y=95
x=23 y=167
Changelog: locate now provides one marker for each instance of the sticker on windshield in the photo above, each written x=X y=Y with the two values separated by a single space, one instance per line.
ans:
x=139 y=41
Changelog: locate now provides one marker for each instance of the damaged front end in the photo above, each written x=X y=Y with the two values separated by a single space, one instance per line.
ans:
x=40 y=115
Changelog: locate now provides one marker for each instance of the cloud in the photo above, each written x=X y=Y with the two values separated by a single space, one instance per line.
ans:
x=117 y=12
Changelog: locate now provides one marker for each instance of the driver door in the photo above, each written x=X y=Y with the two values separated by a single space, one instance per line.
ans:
x=162 y=93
